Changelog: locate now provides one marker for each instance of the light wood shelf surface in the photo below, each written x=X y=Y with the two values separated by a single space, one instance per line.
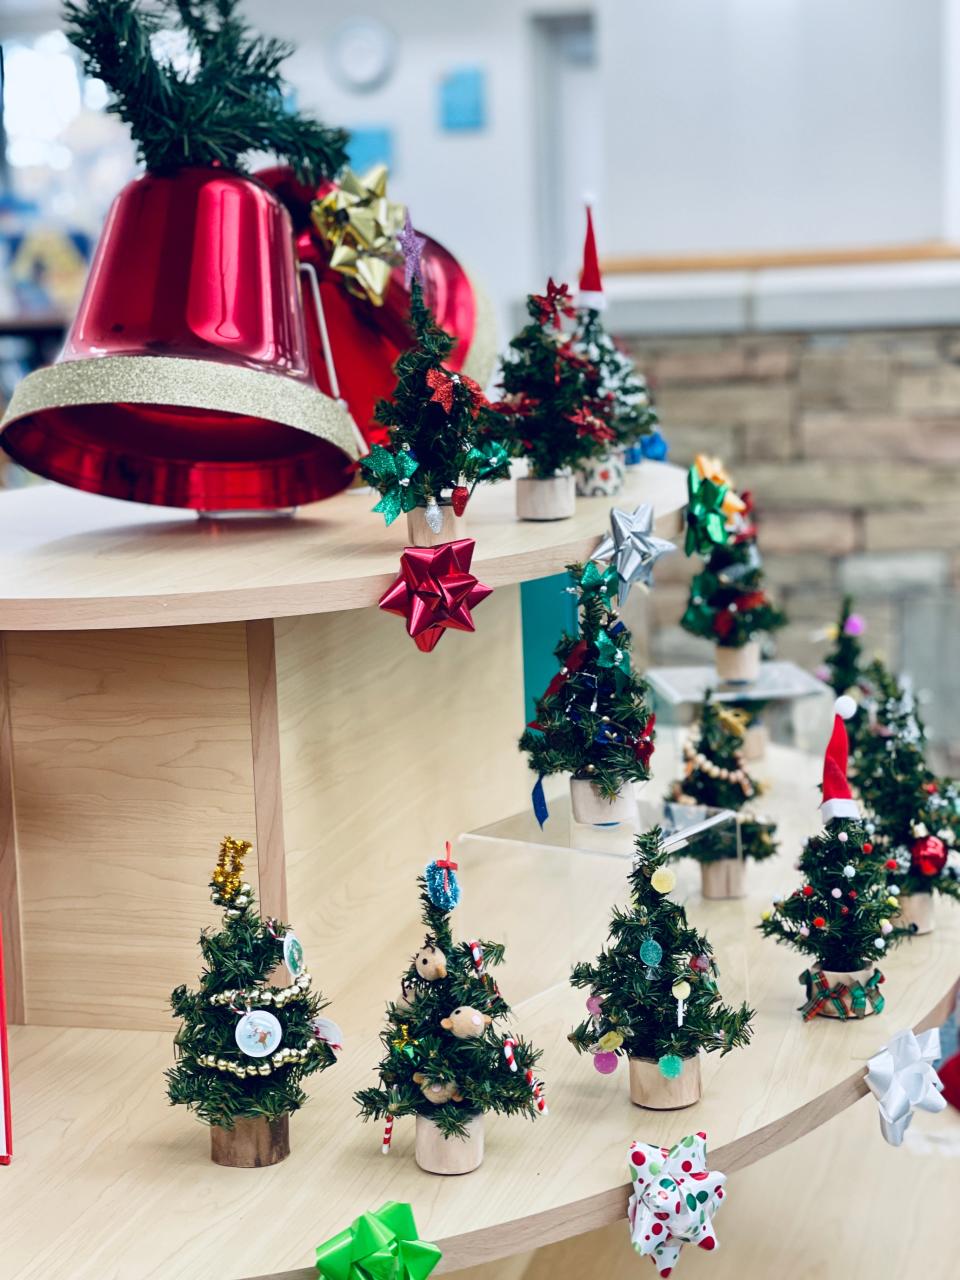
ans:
x=106 y=1174
x=73 y=561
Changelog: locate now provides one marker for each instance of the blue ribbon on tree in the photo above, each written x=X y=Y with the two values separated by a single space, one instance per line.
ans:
x=540 y=810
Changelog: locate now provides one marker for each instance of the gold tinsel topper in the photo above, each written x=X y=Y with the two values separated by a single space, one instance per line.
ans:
x=228 y=873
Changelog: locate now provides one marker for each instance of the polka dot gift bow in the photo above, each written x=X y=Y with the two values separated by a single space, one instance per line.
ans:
x=674 y=1196
x=901 y=1078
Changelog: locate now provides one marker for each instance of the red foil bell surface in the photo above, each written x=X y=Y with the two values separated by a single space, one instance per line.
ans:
x=185 y=378
x=367 y=339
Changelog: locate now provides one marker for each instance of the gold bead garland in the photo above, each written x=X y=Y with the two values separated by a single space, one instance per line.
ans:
x=282 y=1058
x=266 y=997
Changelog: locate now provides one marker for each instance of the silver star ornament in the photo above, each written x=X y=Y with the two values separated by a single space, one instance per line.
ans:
x=633 y=547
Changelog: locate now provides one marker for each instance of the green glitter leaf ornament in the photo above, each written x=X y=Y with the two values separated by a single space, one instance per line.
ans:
x=390 y=473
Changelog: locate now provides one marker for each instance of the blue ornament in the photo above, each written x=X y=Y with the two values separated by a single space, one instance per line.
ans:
x=443 y=889
x=651 y=952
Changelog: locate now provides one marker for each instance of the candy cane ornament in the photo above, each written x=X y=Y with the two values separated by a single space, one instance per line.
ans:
x=477 y=955
x=538 y=1097
x=508 y=1048
x=387 y=1136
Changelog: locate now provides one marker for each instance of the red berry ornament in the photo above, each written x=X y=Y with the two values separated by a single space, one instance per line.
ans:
x=808 y=890
x=930 y=788
x=867 y=847
x=459 y=499
x=891 y=864
x=818 y=922
x=928 y=856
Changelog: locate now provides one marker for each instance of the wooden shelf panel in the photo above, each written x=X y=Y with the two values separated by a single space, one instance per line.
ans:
x=71 y=561
x=109 y=1175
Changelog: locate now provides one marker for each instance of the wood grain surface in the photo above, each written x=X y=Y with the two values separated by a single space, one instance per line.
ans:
x=71 y=561
x=103 y=1159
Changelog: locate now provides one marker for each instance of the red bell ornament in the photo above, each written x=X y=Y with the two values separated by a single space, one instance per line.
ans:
x=928 y=856
x=366 y=339
x=185 y=378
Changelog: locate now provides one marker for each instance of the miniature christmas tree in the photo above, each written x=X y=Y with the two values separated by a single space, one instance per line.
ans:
x=841 y=913
x=621 y=387
x=916 y=815
x=245 y=1045
x=440 y=426
x=197 y=86
x=714 y=775
x=653 y=989
x=843 y=663
x=553 y=410
x=727 y=603
x=445 y=1061
x=593 y=720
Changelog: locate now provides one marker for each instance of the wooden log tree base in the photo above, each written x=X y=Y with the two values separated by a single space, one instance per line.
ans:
x=448 y=1156
x=419 y=533
x=755 y=742
x=918 y=909
x=650 y=1088
x=592 y=808
x=738 y=666
x=552 y=499
x=254 y=1142
x=724 y=878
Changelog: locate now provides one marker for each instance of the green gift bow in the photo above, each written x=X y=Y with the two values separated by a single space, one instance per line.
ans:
x=603 y=581
x=385 y=468
x=378 y=1246
x=608 y=655
x=706 y=523
x=487 y=460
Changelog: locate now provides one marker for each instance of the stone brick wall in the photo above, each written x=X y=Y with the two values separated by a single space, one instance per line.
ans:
x=850 y=443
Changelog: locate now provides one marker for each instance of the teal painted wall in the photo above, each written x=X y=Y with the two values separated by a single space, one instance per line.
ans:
x=547 y=611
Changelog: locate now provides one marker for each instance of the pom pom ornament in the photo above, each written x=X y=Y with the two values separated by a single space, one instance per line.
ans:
x=671 y=1066
x=663 y=880
x=605 y=1063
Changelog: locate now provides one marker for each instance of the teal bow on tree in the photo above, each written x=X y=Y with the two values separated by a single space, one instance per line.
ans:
x=378 y=1246
x=487 y=460
x=390 y=473
x=609 y=655
x=706 y=523
x=604 y=581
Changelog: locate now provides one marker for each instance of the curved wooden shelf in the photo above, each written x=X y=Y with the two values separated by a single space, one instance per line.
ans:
x=106 y=1173
x=72 y=561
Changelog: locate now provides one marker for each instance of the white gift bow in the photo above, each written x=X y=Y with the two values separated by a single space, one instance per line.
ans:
x=901 y=1077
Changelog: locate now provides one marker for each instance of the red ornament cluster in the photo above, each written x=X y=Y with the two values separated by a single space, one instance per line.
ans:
x=928 y=856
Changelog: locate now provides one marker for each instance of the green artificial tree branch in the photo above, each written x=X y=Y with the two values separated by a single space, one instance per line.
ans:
x=229 y=102
x=621 y=387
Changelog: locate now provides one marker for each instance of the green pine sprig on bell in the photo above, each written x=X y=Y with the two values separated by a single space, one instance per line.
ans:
x=218 y=100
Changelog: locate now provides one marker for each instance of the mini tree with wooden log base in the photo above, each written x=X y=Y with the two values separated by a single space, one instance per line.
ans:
x=842 y=912
x=244 y=1044
x=915 y=814
x=197 y=86
x=554 y=411
x=714 y=775
x=593 y=720
x=653 y=993
x=727 y=603
x=442 y=430
x=447 y=1058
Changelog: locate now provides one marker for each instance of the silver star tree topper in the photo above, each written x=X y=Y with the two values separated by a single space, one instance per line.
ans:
x=633 y=547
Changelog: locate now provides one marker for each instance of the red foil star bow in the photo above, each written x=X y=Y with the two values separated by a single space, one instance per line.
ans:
x=435 y=590
x=553 y=304
x=443 y=385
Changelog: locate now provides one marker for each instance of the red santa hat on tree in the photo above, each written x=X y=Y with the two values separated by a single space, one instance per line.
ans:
x=837 y=801
x=591 y=282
